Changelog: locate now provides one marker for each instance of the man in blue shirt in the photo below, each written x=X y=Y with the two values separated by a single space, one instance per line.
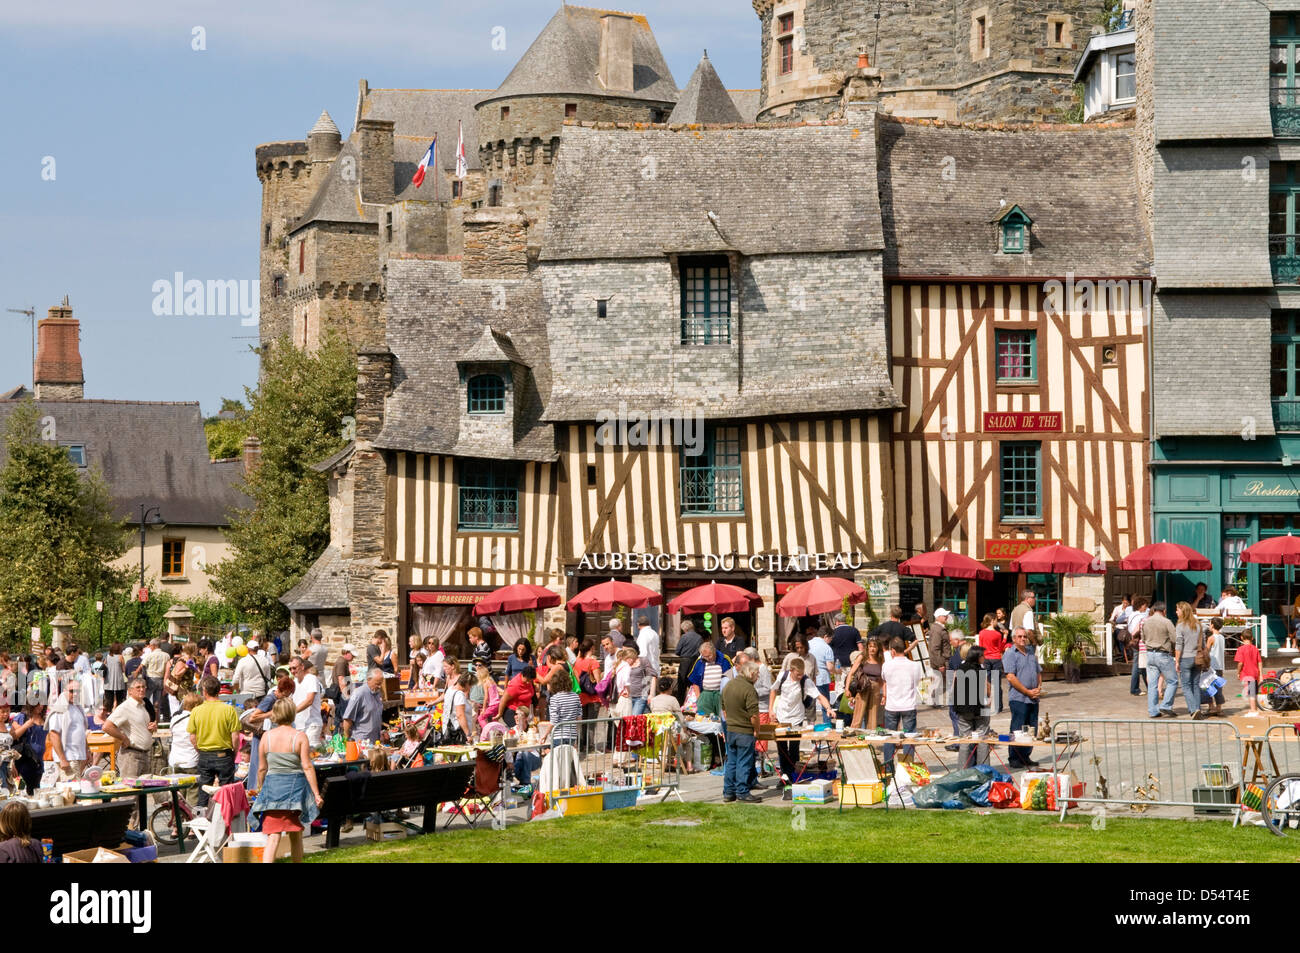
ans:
x=364 y=717
x=1020 y=664
x=845 y=640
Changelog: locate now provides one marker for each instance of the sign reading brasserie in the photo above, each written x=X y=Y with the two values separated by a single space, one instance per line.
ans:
x=1022 y=422
x=728 y=562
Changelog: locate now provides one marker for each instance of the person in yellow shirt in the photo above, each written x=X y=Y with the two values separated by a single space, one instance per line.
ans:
x=213 y=727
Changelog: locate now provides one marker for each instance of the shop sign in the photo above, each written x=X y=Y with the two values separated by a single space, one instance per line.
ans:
x=1270 y=488
x=728 y=562
x=1013 y=548
x=1023 y=422
x=445 y=598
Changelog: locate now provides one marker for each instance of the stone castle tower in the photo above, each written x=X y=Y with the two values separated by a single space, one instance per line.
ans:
x=964 y=60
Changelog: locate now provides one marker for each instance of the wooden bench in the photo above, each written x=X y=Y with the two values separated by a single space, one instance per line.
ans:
x=83 y=825
x=365 y=792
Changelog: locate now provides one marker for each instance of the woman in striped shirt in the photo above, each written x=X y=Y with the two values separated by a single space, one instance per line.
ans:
x=564 y=709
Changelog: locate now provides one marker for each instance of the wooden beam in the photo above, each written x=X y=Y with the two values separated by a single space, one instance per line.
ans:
x=954 y=364
x=976 y=488
x=836 y=516
x=1084 y=509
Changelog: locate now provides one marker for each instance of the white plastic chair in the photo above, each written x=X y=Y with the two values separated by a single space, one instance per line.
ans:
x=211 y=831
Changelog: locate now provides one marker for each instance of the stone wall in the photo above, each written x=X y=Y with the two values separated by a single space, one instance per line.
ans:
x=372 y=576
x=928 y=45
x=1084 y=595
x=496 y=244
x=288 y=182
x=1144 y=139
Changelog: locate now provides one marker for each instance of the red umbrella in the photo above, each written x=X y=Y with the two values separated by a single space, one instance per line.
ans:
x=823 y=594
x=945 y=565
x=606 y=595
x=1274 y=551
x=1056 y=558
x=519 y=597
x=715 y=597
x=1169 y=557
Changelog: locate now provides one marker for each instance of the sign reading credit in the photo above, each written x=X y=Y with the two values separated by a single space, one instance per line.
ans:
x=1023 y=422
x=1013 y=548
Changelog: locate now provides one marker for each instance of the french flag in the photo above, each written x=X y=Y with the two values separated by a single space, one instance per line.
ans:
x=430 y=158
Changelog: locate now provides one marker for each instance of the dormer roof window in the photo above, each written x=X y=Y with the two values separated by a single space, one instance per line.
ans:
x=1014 y=230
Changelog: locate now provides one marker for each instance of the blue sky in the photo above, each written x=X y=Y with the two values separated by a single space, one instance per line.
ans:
x=152 y=146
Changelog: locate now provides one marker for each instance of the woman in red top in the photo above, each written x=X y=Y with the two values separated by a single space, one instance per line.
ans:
x=993 y=641
x=587 y=662
x=519 y=694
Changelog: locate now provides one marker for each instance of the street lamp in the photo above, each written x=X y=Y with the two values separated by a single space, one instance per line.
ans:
x=152 y=516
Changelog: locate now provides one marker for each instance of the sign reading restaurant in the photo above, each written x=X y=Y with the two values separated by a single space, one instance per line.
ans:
x=1023 y=422
x=728 y=562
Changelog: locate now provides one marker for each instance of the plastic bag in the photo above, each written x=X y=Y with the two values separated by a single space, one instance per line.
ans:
x=980 y=796
x=916 y=772
x=1003 y=794
x=993 y=773
x=1040 y=795
x=934 y=796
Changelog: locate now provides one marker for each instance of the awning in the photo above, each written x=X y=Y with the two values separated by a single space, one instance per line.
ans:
x=445 y=598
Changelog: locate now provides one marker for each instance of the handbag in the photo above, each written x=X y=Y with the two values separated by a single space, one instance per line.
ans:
x=1202 y=658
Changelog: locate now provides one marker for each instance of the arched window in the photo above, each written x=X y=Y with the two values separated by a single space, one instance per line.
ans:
x=487 y=394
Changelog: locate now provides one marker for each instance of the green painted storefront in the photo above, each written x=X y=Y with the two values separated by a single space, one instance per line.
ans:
x=1220 y=496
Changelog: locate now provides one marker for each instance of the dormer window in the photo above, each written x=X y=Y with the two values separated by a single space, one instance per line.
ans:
x=77 y=454
x=1013 y=230
x=487 y=394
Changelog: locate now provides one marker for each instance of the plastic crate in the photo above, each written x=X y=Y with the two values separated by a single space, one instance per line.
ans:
x=865 y=793
x=616 y=797
x=1214 y=798
x=1217 y=775
x=575 y=803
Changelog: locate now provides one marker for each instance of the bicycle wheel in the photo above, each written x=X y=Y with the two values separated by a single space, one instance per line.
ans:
x=1281 y=804
x=160 y=823
x=1266 y=688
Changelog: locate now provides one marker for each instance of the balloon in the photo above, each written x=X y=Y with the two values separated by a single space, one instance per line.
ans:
x=237 y=641
x=230 y=653
x=242 y=650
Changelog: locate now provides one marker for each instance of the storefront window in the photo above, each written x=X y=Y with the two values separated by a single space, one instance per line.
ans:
x=1276 y=583
x=1236 y=537
x=952 y=595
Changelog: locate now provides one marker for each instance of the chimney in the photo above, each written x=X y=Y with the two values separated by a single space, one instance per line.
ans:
x=616 y=51
x=376 y=161
x=58 y=373
x=496 y=244
x=252 y=455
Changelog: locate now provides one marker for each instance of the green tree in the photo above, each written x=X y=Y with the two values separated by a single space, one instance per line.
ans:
x=226 y=434
x=57 y=529
x=299 y=412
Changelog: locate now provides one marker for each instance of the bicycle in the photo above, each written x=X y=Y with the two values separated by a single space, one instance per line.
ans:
x=1280 y=805
x=163 y=823
x=1282 y=691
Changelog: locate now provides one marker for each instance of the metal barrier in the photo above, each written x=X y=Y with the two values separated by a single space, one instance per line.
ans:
x=1278 y=753
x=610 y=753
x=1147 y=763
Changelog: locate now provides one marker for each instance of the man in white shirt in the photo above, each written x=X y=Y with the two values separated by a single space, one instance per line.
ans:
x=306 y=698
x=66 y=728
x=252 y=674
x=1230 y=603
x=902 y=678
x=647 y=645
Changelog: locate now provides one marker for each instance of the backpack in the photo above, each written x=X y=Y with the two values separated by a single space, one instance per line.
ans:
x=586 y=683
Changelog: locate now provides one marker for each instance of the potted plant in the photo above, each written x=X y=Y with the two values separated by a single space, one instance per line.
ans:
x=1065 y=638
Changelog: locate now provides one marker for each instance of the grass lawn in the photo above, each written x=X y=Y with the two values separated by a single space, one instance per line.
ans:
x=730 y=832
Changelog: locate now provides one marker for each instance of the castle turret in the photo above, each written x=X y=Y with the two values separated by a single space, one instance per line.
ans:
x=324 y=140
x=968 y=60
x=705 y=99
x=586 y=65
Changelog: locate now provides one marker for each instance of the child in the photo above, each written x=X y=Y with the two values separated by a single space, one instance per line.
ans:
x=412 y=743
x=1214 y=646
x=666 y=703
x=1248 y=660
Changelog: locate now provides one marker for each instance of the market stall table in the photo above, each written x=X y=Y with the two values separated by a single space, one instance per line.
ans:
x=143 y=794
x=100 y=743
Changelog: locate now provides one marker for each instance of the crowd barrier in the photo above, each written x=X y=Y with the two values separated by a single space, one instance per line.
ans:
x=1148 y=763
x=611 y=752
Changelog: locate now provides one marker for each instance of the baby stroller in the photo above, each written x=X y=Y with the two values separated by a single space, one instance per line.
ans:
x=428 y=738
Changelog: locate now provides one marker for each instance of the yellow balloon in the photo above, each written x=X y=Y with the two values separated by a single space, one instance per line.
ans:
x=242 y=650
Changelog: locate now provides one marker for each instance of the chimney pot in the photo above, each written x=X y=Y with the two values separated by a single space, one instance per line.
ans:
x=252 y=455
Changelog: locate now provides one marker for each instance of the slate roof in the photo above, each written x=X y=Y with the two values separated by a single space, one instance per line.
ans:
x=746 y=101
x=1077 y=183
x=151 y=453
x=565 y=58
x=417 y=114
x=491 y=347
x=705 y=99
x=324 y=124
x=751 y=177
x=323 y=586
x=434 y=317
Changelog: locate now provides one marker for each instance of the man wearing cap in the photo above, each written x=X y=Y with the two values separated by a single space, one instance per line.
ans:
x=252 y=675
x=938 y=642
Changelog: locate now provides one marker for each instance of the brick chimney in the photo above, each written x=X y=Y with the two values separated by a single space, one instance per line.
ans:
x=58 y=373
x=252 y=455
x=615 y=68
x=376 y=161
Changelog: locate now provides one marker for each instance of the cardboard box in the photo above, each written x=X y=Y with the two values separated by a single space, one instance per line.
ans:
x=814 y=792
x=249 y=847
x=93 y=855
x=384 y=831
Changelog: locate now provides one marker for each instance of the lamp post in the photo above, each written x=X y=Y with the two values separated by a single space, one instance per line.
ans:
x=148 y=514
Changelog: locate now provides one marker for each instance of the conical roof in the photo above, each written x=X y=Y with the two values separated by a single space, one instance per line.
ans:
x=324 y=126
x=705 y=99
x=565 y=58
